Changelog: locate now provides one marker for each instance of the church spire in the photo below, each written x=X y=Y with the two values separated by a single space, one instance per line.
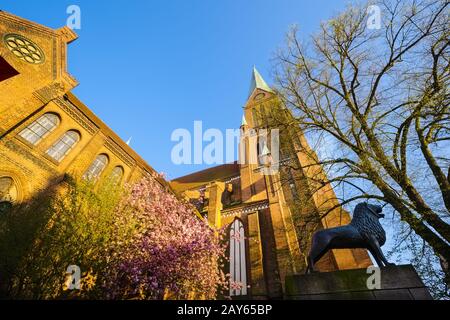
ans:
x=258 y=82
x=244 y=121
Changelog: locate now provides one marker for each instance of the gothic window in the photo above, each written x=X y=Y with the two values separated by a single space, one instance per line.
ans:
x=8 y=194
x=97 y=167
x=24 y=49
x=40 y=128
x=117 y=174
x=64 y=144
x=238 y=266
x=258 y=151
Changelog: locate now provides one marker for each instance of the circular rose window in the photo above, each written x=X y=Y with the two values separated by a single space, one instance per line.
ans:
x=24 y=49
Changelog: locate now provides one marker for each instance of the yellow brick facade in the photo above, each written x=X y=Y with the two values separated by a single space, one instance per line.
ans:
x=262 y=208
x=45 y=88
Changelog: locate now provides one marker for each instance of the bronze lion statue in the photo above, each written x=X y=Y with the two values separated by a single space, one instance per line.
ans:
x=364 y=231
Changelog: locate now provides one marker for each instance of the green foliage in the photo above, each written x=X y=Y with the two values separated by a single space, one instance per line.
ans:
x=18 y=229
x=73 y=225
x=137 y=243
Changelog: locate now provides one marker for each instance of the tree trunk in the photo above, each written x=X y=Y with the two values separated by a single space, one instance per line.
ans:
x=448 y=175
x=439 y=246
x=446 y=268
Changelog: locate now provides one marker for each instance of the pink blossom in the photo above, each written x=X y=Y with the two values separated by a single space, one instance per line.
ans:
x=171 y=249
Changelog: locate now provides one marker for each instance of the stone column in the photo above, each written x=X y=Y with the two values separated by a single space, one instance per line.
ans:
x=215 y=190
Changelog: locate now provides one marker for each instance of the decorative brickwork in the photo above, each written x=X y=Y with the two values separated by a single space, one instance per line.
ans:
x=43 y=86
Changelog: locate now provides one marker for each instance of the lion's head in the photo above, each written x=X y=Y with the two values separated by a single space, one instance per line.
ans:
x=365 y=220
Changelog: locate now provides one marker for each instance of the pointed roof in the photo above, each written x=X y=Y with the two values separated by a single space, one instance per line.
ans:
x=244 y=121
x=258 y=82
x=265 y=150
x=200 y=178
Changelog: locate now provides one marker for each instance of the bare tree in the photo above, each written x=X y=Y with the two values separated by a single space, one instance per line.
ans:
x=381 y=97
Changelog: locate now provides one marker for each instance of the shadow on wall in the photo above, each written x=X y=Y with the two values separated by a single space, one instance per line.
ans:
x=19 y=226
x=70 y=223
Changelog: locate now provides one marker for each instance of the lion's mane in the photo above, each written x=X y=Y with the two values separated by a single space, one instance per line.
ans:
x=367 y=223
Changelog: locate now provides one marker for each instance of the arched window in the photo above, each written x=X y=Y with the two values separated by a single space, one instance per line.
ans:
x=238 y=266
x=64 y=144
x=8 y=194
x=97 y=167
x=40 y=128
x=117 y=174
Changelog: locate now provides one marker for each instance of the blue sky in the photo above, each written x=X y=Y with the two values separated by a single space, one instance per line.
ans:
x=150 y=67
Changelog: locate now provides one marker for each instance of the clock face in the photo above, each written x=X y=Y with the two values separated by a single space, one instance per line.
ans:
x=24 y=48
x=259 y=96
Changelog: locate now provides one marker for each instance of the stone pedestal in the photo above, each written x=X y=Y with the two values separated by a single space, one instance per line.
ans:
x=397 y=283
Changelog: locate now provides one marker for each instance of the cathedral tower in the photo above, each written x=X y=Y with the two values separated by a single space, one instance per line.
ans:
x=270 y=214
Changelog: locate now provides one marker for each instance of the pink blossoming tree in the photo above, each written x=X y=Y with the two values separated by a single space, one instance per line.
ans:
x=170 y=252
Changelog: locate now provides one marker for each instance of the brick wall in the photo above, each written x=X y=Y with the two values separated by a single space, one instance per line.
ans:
x=41 y=88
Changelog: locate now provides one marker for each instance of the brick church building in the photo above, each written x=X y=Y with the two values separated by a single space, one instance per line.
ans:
x=269 y=218
x=46 y=132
